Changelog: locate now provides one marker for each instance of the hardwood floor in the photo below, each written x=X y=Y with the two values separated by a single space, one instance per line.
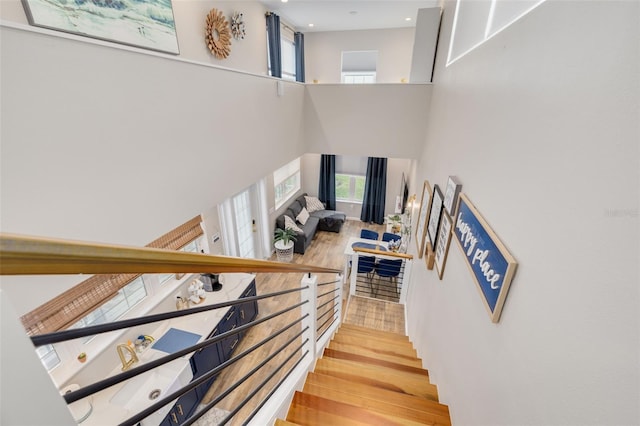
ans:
x=327 y=250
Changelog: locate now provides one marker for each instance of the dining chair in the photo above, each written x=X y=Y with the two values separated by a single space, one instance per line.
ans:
x=388 y=236
x=367 y=265
x=369 y=234
x=389 y=268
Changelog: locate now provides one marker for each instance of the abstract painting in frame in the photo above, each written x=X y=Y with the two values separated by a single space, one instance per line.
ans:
x=148 y=24
x=423 y=218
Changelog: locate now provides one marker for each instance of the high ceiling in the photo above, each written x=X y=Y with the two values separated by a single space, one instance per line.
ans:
x=339 y=15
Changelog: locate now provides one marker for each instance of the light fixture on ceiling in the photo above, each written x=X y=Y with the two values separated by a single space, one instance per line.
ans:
x=353 y=12
x=284 y=1
x=311 y=25
x=407 y=19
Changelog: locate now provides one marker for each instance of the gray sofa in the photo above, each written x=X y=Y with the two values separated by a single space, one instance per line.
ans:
x=322 y=220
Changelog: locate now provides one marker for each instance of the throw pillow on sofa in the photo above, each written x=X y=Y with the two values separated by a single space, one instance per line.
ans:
x=303 y=216
x=313 y=204
x=290 y=224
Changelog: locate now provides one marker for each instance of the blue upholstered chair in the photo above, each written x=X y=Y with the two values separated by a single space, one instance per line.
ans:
x=389 y=268
x=369 y=234
x=388 y=236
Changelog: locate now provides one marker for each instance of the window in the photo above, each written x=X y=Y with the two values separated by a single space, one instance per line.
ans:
x=288 y=52
x=359 y=67
x=358 y=77
x=48 y=356
x=350 y=188
x=126 y=298
x=286 y=182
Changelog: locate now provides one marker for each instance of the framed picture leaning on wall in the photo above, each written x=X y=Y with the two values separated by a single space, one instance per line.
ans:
x=451 y=195
x=434 y=215
x=443 y=242
x=423 y=218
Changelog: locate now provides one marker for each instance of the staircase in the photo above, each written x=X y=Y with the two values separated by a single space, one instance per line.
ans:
x=367 y=377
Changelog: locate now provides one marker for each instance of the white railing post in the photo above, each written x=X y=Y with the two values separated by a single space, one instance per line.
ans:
x=405 y=281
x=353 y=274
x=310 y=308
x=338 y=294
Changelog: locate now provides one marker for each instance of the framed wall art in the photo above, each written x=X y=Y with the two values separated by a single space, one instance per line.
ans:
x=492 y=266
x=138 y=23
x=423 y=218
x=434 y=215
x=443 y=242
x=451 y=195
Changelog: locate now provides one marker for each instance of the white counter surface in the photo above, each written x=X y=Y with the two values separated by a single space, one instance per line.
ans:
x=105 y=412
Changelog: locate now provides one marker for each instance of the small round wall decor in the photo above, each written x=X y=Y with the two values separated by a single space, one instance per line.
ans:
x=217 y=34
x=237 y=25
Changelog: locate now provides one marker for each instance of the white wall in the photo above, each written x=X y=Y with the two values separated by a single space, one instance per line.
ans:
x=378 y=120
x=115 y=146
x=323 y=53
x=248 y=54
x=540 y=124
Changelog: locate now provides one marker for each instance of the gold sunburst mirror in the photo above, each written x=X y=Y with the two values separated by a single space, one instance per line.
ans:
x=218 y=34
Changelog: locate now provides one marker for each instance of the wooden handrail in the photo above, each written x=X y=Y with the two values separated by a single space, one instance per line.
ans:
x=382 y=253
x=27 y=255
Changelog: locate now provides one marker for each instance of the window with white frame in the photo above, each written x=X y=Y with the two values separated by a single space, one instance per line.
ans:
x=358 y=77
x=350 y=188
x=286 y=182
x=350 y=178
x=128 y=296
x=48 y=356
x=359 y=67
x=288 y=53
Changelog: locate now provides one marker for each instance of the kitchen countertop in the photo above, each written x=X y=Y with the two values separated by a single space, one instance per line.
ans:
x=106 y=412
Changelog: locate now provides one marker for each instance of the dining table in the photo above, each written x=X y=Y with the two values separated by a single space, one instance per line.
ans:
x=363 y=243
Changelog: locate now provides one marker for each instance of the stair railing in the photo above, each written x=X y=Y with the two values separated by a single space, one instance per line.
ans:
x=385 y=278
x=319 y=316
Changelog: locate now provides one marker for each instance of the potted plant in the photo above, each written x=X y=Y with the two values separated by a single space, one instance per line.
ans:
x=396 y=223
x=283 y=242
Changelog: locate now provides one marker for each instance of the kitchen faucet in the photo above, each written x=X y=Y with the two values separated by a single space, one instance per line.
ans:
x=133 y=359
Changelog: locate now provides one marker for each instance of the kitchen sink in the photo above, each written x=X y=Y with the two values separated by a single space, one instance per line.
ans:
x=148 y=388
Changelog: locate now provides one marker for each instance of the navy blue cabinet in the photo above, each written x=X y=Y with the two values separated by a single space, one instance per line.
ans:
x=183 y=408
x=205 y=359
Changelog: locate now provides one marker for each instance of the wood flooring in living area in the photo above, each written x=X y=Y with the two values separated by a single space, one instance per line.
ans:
x=327 y=249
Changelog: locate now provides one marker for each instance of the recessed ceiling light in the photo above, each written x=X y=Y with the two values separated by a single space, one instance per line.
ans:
x=311 y=25
x=407 y=19
x=284 y=1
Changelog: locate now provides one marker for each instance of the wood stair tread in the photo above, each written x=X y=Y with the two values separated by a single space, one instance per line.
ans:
x=382 y=333
x=379 y=353
x=408 y=414
x=405 y=349
x=367 y=377
x=334 y=353
x=385 y=378
x=371 y=392
x=280 y=422
x=311 y=409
